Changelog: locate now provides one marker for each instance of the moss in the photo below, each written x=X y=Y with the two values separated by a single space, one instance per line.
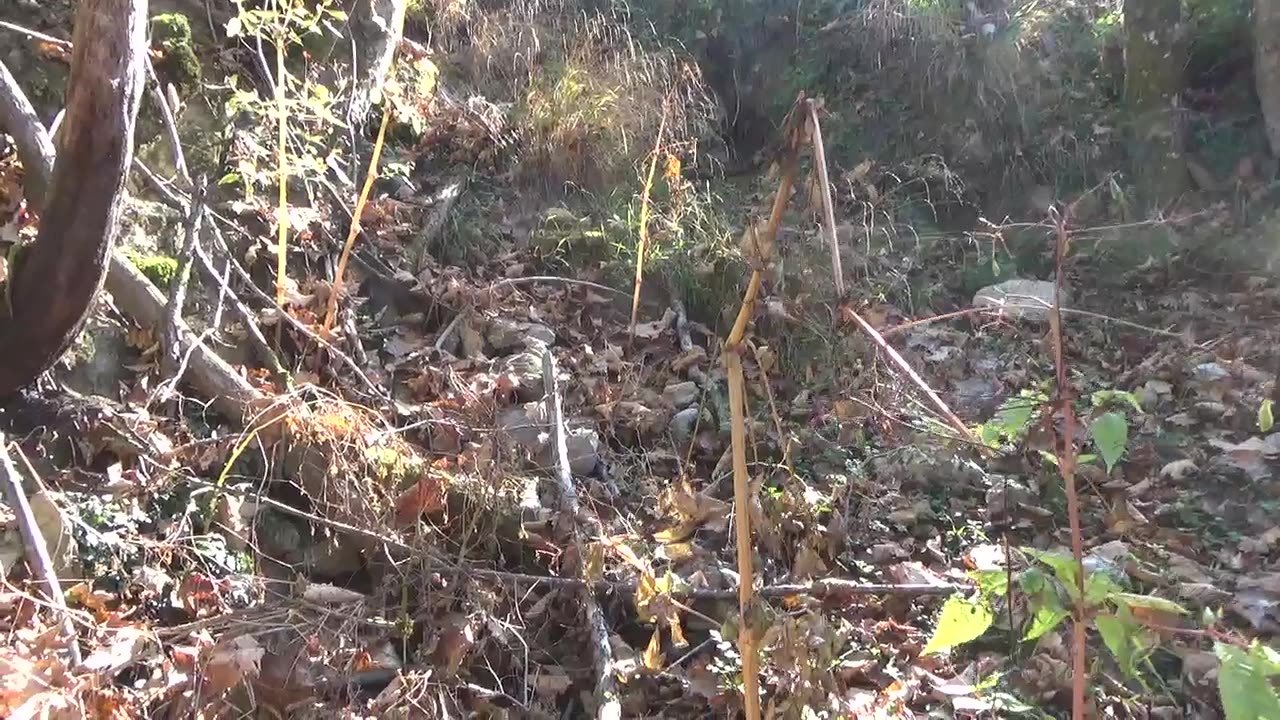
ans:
x=171 y=34
x=159 y=269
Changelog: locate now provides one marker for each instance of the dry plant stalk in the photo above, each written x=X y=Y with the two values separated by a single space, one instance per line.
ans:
x=828 y=208
x=1067 y=463
x=737 y=409
x=282 y=241
x=643 y=241
x=331 y=310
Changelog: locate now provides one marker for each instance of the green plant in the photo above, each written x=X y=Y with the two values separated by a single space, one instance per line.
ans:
x=310 y=107
x=1127 y=623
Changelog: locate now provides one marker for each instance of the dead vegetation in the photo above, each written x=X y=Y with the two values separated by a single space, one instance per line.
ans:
x=465 y=480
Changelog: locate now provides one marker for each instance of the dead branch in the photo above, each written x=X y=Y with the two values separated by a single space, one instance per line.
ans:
x=828 y=209
x=59 y=276
x=170 y=330
x=19 y=119
x=36 y=547
x=608 y=706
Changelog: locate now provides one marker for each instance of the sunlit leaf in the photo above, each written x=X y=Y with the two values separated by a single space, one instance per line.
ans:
x=1047 y=617
x=652 y=655
x=1266 y=418
x=1118 y=636
x=1244 y=682
x=1110 y=435
x=961 y=621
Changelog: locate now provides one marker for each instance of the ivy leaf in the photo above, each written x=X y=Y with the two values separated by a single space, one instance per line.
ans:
x=1244 y=682
x=961 y=621
x=1266 y=418
x=1110 y=435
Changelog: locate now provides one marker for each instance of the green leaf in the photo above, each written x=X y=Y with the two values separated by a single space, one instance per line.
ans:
x=1266 y=419
x=1110 y=435
x=1244 y=684
x=1118 y=635
x=1099 y=586
x=1063 y=565
x=961 y=621
x=1149 y=602
x=1048 y=616
x=991 y=582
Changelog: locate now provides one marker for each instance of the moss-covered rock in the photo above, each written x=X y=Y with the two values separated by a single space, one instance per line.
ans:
x=171 y=35
x=159 y=269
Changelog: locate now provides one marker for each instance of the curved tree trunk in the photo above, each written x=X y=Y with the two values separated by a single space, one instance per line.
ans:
x=54 y=285
x=1266 y=66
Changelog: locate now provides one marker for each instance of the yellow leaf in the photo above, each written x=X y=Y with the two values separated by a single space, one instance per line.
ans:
x=677 y=633
x=653 y=652
x=680 y=532
x=593 y=569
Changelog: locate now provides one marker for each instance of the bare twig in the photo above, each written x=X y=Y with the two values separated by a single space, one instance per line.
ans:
x=170 y=124
x=828 y=209
x=36 y=546
x=608 y=706
x=906 y=368
x=170 y=330
x=554 y=279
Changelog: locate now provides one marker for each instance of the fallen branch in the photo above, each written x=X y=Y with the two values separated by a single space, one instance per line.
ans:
x=171 y=330
x=37 y=548
x=608 y=706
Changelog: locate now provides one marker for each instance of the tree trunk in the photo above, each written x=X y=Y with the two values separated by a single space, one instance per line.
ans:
x=54 y=285
x=376 y=27
x=1266 y=66
x=1154 y=53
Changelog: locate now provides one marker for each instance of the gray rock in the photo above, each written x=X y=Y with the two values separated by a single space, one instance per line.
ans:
x=506 y=334
x=584 y=450
x=96 y=363
x=524 y=424
x=1005 y=495
x=526 y=374
x=682 y=424
x=681 y=394
x=976 y=397
x=1019 y=299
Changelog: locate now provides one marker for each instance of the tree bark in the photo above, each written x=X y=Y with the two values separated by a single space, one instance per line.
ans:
x=376 y=27
x=1266 y=66
x=54 y=285
x=1153 y=81
x=19 y=119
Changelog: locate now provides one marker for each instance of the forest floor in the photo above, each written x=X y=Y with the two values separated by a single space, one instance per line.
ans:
x=396 y=542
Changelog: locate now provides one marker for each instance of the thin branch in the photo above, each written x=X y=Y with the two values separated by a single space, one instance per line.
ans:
x=608 y=706
x=36 y=546
x=35 y=146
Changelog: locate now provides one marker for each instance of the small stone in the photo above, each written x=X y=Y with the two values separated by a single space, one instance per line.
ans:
x=523 y=425
x=1005 y=496
x=1019 y=299
x=538 y=336
x=504 y=334
x=882 y=553
x=681 y=394
x=1178 y=469
x=682 y=425
x=525 y=370
x=583 y=446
